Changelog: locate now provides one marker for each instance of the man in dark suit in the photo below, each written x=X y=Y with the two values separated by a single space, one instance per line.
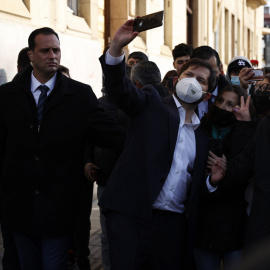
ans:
x=161 y=167
x=211 y=56
x=45 y=119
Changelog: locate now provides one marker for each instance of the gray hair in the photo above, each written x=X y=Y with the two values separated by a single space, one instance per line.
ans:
x=146 y=72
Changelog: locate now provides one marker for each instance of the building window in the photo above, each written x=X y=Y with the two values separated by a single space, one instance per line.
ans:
x=189 y=22
x=227 y=31
x=73 y=6
x=233 y=47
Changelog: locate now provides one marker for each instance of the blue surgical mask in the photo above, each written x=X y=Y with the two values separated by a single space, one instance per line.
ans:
x=235 y=80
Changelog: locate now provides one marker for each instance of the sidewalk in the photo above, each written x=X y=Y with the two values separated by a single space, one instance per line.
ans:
x=95 y=244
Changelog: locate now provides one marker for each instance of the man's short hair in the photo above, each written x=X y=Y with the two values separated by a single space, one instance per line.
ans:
x=182 y=49
x=23 y=58
x=196 y=62
x=138 y=55
x=205 y=53
x=44 y=31
x=146 y=72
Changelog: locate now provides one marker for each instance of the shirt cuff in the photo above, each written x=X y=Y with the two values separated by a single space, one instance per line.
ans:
x=113 y=61
x=209 y=186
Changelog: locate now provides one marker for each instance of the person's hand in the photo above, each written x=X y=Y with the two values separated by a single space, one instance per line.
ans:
x=244 y=76
x=242 y=113
x=123 y=36
x=218 y=169
x=90 y=171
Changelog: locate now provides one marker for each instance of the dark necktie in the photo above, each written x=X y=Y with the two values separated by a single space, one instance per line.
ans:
x=41 y=101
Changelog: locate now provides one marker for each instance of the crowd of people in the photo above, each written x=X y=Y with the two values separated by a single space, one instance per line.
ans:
x=181 y=163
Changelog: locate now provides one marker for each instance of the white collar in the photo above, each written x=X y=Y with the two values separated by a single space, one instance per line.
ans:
x=35 y=83
x=195 y=121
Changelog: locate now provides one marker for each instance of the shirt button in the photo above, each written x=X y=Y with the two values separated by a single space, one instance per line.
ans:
x=36 y=191
x=181 y=140
x=36 y=157
x=172 y=189
x=165 y=204
x=177 y=172
x=31 y=125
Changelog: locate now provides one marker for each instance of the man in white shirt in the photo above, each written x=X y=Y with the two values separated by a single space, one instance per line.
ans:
x=161 y=167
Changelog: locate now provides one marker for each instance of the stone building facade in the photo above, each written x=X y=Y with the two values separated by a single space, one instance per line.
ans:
x=85 y=28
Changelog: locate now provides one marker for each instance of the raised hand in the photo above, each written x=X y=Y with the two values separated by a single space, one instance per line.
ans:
x=242 y=113
x=122 y=38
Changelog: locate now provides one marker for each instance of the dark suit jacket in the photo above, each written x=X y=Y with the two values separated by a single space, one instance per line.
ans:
x=42 y=172
x=222 y=82
x=142 y=169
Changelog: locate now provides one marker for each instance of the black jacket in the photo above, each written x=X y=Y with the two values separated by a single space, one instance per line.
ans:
x=42 y=172
x=259 y=222
x=106 y=158
x=222 y=214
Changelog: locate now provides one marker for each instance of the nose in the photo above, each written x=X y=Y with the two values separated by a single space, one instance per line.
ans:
x=51 y=54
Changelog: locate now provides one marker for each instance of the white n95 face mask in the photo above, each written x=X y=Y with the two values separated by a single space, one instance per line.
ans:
x=189 y=90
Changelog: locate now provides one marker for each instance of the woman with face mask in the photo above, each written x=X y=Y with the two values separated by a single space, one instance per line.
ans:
x=222 y=214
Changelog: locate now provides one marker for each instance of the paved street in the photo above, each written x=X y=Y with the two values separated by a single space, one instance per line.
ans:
x=95 y=245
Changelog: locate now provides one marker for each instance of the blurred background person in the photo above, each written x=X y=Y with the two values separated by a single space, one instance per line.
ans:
x=23 y=59
x=234 y=68
x=167 y=81
x=181 y=54
x=135 y=57
x=211 y=56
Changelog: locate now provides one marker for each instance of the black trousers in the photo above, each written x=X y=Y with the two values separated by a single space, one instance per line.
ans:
x=83 y=225
x=10 y=257
x=137 y=245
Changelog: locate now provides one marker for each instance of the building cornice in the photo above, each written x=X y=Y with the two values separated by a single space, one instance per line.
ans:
x=256 y=3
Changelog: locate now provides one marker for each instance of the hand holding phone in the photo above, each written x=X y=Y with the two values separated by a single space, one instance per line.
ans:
x=148 y=22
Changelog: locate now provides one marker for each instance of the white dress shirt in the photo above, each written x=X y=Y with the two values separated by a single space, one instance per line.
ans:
x=175 y=189
x=35 y=84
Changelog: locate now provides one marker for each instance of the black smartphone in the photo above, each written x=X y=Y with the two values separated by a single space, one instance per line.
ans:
x=148 y=22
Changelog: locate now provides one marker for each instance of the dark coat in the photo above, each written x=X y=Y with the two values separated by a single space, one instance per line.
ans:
x=105 y=158
x=222 y=214
x=259 y=221
x=142 y=169
x=42 y=172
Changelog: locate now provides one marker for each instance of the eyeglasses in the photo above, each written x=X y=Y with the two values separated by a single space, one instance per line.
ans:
x=263 y=87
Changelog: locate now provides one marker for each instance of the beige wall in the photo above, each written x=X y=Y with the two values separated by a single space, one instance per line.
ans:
x=82 y=36
x=79 y=37
x=239 y=24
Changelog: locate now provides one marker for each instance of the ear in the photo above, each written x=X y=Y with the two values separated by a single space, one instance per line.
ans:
x=175 y=80
x=30 y=55
x=173 y=64
x=207 y=96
